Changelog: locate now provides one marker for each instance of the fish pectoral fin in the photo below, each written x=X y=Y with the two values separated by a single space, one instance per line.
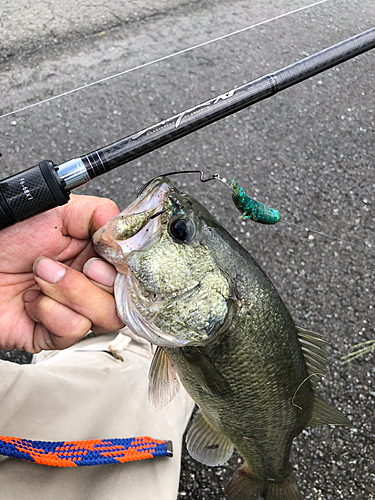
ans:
x=324 y=414
x=206 y=444
x=208 y=377
x=163 y=382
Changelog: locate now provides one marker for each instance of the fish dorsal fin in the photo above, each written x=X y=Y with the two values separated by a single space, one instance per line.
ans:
x=206 y=444
x=163 y=380
x=315 y=355
x=205 y=373
x=316 y=361
x=325 y=414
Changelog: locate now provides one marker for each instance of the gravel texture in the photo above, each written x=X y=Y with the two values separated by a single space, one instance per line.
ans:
x=309 y=152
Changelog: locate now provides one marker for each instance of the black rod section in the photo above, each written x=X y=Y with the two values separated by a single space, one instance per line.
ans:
x=189 y=121
x=45 y=185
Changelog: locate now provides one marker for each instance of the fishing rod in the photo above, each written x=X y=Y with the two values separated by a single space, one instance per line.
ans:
x=45 y=186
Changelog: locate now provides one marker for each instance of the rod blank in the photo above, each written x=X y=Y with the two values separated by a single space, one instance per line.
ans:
x=45 y=185
x=215 y=109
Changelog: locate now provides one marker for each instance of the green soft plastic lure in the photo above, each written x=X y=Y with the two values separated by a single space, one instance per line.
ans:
x=251 y=209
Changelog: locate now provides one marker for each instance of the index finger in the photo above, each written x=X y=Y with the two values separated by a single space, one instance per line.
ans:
x=83 y=215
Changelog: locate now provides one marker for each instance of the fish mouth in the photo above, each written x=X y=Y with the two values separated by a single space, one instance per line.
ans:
x=114 y=246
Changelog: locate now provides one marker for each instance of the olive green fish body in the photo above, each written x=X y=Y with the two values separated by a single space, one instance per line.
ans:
x=260 y=357
x=222 y=329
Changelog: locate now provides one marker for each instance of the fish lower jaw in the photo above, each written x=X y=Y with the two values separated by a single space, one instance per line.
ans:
x=147 y=302
x=152 y=298
x=145 y=296
x=111 y=252
x=139 y=315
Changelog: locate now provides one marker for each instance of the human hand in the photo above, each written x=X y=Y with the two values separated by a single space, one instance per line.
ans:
x=46 y=302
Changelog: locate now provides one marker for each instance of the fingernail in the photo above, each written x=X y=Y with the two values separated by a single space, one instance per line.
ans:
x=30 y=295
x=49 y=270
x=100 y=271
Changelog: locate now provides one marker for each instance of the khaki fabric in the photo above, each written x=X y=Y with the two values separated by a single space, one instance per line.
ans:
x=85 y=393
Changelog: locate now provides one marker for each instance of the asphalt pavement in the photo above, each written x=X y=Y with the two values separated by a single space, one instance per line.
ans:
x=309 y=152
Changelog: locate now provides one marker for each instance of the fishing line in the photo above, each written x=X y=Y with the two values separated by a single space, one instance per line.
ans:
x=160 y=59
x=315 y=231
x=223 y=180
x=317 y=220
x=365 y=243
x=212 y=187
x=301 y=384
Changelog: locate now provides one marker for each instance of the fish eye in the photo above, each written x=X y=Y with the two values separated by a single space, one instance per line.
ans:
x=182 y=229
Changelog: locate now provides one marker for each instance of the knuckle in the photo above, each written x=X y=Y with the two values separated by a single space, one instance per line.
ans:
x=110 y=203
x=77 y=326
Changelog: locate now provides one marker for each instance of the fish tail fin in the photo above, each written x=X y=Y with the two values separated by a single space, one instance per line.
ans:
x=286 y=489
x=244 y=486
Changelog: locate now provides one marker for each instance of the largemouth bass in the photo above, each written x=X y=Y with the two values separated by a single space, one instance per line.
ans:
x=222 y=330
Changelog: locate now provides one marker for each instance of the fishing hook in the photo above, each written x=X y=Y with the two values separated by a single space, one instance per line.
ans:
x=213 y=177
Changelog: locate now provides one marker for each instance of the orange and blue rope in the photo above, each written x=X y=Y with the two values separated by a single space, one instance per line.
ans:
x=79 y=453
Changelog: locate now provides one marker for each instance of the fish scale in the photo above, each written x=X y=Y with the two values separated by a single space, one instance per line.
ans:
x=223 y=330
x=261 y=397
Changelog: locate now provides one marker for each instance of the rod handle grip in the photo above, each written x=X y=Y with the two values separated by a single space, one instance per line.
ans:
x=30 y=192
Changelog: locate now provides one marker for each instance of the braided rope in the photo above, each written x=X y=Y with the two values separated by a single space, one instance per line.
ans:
x=79 y=453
